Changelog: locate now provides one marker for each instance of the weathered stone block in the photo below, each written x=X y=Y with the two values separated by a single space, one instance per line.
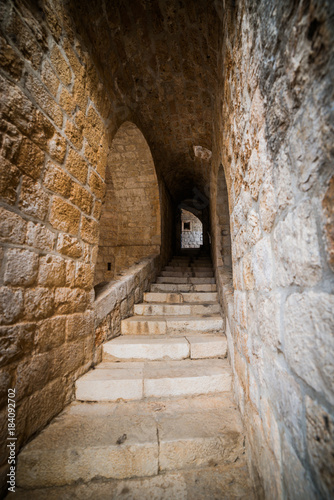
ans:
x=70 y=300
x=33 y=199
x=69 y=246
x=296 y=248
x=328 y=212
x=50 y=333
x=89 y=230
x=12 y=227
x=11 y=305
x=64 y=216
x=295 y=479
x=40 y=237
x=320 y=444
x=30 y=159
x=82 y=198
x=309 y=340
x=57 y=180
x=262 y=264
x=9 y=181
x=269 y=307
x=16 y=341
x=57 y=146
x=79 y=325
x=77 y=166
x=84 y=276
x=38 y=303
x=21 y=267
x=52 y=271
x=9 y=60
x=74 y=134
x=96 y=185
x=61 y=66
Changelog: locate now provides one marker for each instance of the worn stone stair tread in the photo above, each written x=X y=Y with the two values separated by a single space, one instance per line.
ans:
x=154 y=379
x=147 y=325
x=183 y=287
x=180 y=298
x=176 y=309
x=191 y=280
x=161 y=347
x=120 y=440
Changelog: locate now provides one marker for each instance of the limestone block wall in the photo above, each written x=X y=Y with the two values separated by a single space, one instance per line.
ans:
x=194 y=237
x=56 y=123
x=131 y=220
x=273 y=137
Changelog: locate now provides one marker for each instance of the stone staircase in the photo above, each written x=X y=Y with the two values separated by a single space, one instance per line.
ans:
x=156 y=418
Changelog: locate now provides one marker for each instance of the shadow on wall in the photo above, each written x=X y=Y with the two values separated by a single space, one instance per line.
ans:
x=130 y=226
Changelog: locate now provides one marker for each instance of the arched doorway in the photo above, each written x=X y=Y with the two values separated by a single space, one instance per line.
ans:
x=191 y=230
x=130 y=225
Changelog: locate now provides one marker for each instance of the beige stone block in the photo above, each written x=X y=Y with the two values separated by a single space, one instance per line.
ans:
x=70 y=300
x=61 y=65
x=30 y=159
x=50 y=333
x=11 y=304
x=262 y=265
x=33 y=199
x=207 y=346
x=186 y=443
x=74 y=134
x=44 y=99
x=12 y=227
x=49 y=78
x=146 y=348
x=21 y=267
x=296 y=248
x=79 y=325
x=295 y=478
x=39 y=237
x=96 y=185
x=57 y=180
x=84 y=276
x=138 y=325
x=64 y=216
x=110 y=382
x=187 y=324
x=77 y=166
x=38 y=303
x=81 y=198
x=186 y=378
x=97 y=450
x=52 y=271
x=70 y=246
x=57 y=147
x=16 y=342
x=89 y=230
x=309 y=341
x=9 y=181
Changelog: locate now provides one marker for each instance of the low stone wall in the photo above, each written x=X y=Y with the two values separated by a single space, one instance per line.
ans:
x=115 y=301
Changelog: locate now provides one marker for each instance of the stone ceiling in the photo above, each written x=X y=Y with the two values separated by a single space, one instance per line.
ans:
x=160 y=59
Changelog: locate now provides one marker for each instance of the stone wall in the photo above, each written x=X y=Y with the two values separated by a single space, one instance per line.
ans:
x=130 y=221
x=57 y=121
x=274 y=139
x=192 y=238
x=115 y=300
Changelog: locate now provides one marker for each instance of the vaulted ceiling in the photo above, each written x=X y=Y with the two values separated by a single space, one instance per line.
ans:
x=159 y=59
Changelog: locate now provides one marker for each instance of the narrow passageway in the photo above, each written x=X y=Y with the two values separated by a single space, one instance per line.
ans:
x=159 y=406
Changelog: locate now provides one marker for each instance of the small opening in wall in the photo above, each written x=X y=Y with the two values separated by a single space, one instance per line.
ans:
x=186 y=226
x=109 y=266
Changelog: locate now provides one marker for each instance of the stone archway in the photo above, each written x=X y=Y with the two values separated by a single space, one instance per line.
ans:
x=130 y=225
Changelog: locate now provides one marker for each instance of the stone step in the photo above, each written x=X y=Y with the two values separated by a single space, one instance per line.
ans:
x=161 y=325
x=193 y=281
x=182 y=287
x=188 y=274
x=191 y=483
x=154 y=379
x=90 y=441
x=176 y=309
x=150 y=348
x=180 y=298
x=189 y=264
x=187 y=269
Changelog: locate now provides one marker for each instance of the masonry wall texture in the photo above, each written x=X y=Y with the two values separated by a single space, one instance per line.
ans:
x=253 y=83
x=192 y=238
x=274 y=131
